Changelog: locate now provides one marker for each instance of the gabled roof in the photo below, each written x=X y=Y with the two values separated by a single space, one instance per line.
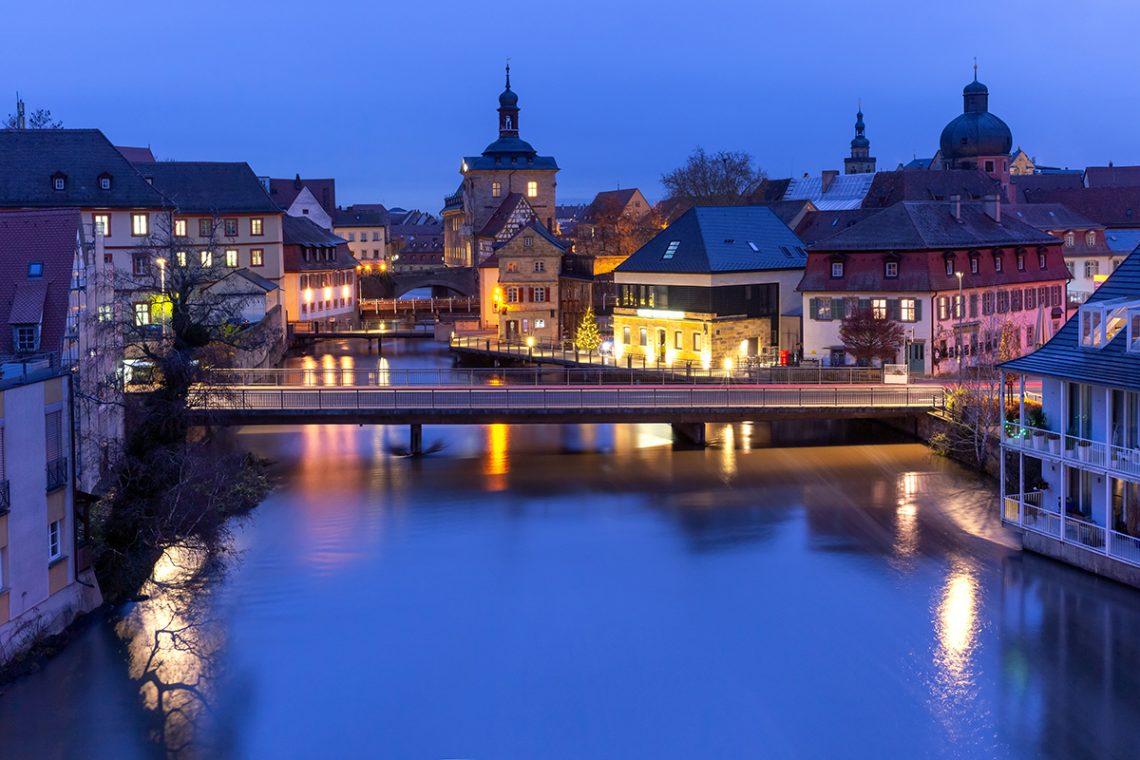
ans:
x=1110 y=365
x=136 y=155
x=843 y=191
x=1050 y=216
x=888 y=188
x=1112 y=176
x=208 y=187
x=284 y=191
x=821 y=225
x=48 y=236
x=1027 y=185
x=298 y=230
x=613 y=203
x=502 y=216
x=533 y=226
x=918 y=163
x=712 y=239
x=1110 y=206
x=791 y=213
x=360 y=216
x=29 y=158
x=1122 y=241
x=924 y=226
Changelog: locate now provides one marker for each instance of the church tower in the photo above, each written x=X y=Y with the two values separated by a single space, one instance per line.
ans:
x=508 y=110
x=860 y=160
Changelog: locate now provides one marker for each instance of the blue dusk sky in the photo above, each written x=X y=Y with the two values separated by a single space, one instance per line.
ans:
x=388 y=96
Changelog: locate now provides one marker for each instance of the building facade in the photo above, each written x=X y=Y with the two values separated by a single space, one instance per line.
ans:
x=957 y=277
x=1071 y=467
x=716 y=288
x=1088 y=255
x=366 y=231
x=527 y=293
x=507 y=166
x=320 y=276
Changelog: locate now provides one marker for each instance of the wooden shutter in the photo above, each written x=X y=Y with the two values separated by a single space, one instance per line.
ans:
x=839 y=308
x=918 y=310
x=894 y=309
x=813 y=308
x=53 y=422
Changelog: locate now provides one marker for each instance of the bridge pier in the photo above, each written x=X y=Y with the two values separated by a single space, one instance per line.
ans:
x=416 y=447
x=689 y=435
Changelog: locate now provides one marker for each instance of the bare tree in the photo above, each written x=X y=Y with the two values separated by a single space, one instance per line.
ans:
x=718 y=179
x=41 y=118
x=868 y=338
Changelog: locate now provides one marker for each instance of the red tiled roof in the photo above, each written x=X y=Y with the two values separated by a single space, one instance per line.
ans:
x=1110 y=206
x=285 y=191
x=1112 y=176
x=47 y=236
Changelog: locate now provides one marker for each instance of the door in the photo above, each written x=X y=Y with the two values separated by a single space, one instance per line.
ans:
x=916 y=358
x=512 y=329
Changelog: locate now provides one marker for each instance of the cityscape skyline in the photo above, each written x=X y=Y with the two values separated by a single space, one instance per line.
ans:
x=397 y=136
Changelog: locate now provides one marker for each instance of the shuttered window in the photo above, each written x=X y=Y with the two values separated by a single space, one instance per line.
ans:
x=54 y=434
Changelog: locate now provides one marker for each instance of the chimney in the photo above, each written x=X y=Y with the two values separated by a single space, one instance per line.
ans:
x=992 y=205
x=957 y=207
x=829 y=176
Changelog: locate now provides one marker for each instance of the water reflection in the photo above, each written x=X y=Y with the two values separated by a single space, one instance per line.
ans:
x=953 y=688
x=728 y=454
x=496 y=465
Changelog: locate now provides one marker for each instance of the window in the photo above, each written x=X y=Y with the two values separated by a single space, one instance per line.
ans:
x=1072 y=267
x=959 y=307
x=1092 y=268
x=231 y=258
x=55 y=540
x=1003 y=301
x=540 y=266
x=180 y=258
x=998 y=263
x=539 y=324
x=1070 y=239
x=973 y=265
x=1030 y=298
x=496 y=189
x=26 y=338
x=106 y=313
x=823 y=309
x=949 y=266
x=696 y=341
x=352 y=237
x=512 y=295
x=678 y=340
x=1020 y=262
x=231 y=227
x=879 y=308
x=1090 y=238
x=540 y=294
x=1041 y=259
x=256 y=226
x=625 y=336
x=837 y=269
x=943 y=308
x=256 y=257
x=140 y=225
x=989 y=166
x=528 y=242
x=59 y=182
x=891 y=269
x=907 y=310
x=35 y=270
x=140 y=265
x=179 y=228
x=1029 y=336
x=375 y=236
x=105 y=182
x=671 y=249
x=142 y=314
x=102 y=224
x=206 y=258
x=973 y=306
x=205 y=228
x=512 y=267
x=532 y=189
x=1015 y=300
x=643 y=336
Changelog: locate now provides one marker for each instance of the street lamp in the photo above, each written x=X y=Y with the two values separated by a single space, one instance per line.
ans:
x=161 y=274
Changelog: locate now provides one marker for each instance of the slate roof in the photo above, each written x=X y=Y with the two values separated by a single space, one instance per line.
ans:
x=1050 y=216
x=360 y=216
x=1111 y=365
x=788 y=211
x=1027 y=185
x=768 y=190
x=501 y=160
x=136 y=155
x=1111 y=206
x=821 y=225
x=208 y=187
x=44 y=235
x=888 y=188
x=916 y=225
x=1122 y=241
x=721 y=239
x=29 y=158
x=1112 y=176
x=298 y=230
x=284 y=191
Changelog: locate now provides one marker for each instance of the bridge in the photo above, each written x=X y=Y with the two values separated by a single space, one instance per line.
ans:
x=300 y=332
x=395 y=283
x=686 y=407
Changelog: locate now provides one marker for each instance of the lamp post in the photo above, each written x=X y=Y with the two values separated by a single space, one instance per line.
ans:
x=162 y=291
x=961 y=309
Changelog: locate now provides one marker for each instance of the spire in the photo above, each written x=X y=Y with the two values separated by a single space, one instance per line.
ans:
x=975 y=68
x=508 y=109
x=509 y=73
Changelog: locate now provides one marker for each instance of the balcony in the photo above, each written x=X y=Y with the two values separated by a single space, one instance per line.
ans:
x=1080 y=452
x=1028 y=513
x=56 y=474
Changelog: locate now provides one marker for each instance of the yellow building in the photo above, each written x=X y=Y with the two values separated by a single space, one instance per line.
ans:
x=527 y=291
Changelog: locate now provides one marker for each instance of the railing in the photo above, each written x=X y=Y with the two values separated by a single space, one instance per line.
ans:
x=5 y=496
x=566 y=353
x=379 y=327
x=1042 y=521
x=434 y=305
x=19 y=369
x=1121 y=459
x=565 y=398
x=1124 y=547
x=1086 y=534
x=1071 y=530
x=56 y=473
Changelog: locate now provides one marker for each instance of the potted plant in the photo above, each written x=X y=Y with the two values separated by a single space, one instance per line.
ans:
x=1039 y=440
x=1084 y=449
x=1054 y=441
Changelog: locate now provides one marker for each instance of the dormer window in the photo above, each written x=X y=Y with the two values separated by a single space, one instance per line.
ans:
x=1021 y=261
x=35 y=270
x=59 y=181
x=1041 y=259
x=999 y=261
x=950 y=265
x=1101 y=321
x=1070 y=239
x=973 y=265
x=891 y=269
x=1090 y=238
x=104 y=181
x=26 y=338
x=836 y=269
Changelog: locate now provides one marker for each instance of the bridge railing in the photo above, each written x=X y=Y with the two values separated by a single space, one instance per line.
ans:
x=431 y=305
x=379 y=326
x=696 y=397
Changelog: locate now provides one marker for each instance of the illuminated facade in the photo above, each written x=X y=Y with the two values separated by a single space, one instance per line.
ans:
x=320 y=275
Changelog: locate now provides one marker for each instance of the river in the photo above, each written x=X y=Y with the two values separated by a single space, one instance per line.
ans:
x=590 y=592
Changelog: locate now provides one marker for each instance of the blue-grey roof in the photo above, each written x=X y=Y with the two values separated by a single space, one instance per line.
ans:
x=1122 y=241
x=714 y=239
x=510 y=161
x=1111 y=365
x=207 y=187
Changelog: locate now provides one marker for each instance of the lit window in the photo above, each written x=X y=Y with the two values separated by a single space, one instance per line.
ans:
x=892 y=269
x=907 y=310
x=231 y=227
x=823 y=309
x=496 y=189
x=231 y=258
x=1070 y=239
x=55 y=540
x=512 y=266
x=879 y=308
x=837 y=269
x=179 y=228
x=539 y=323
x=532 y=189
x=206 y=259
x=180 y=258
x=256 y=227
x=256 y=257
x=140 y=225
x=142 y=314
x=959 y=307
x=540 y=266
x=106 y=313
x=102 y=224
x=949 y=266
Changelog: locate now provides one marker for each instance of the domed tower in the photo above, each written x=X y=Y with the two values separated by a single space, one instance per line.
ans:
x=508 y=110
x=977 y=139
x=860 y=161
